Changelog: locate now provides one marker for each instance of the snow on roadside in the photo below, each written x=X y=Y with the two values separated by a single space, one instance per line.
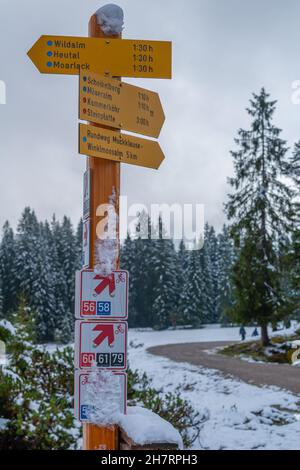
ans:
x=207 y=334
x=242 y=416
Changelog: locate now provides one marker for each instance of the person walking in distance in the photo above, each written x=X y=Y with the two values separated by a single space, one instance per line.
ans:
x=243 y=333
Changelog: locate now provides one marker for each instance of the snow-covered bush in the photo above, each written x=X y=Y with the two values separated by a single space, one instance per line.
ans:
x=170 y=406
x=36 y=396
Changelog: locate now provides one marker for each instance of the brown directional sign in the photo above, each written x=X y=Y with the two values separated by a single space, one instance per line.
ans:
x=110 y=57
x=97 y=142
x=117 y=104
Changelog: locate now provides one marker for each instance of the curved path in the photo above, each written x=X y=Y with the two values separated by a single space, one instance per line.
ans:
x=280 y=375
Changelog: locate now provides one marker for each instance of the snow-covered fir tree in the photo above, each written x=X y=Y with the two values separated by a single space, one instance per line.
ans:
x=1 y=299
x=292 y=260
x=210 y=267
x=260 y=209
x=43 y=298
x=226 y=258
x=128 y=262
x=27 y=260
x=7 y=266
x=191 y=299
x=165 y=290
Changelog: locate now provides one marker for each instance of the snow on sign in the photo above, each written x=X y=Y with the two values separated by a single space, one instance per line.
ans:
x=83 y=394
x=104 y=297
x=86 y=193
x=86 y=243
x=101 y=344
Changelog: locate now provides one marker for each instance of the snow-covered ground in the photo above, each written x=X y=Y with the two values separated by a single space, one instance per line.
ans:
x=241 y=416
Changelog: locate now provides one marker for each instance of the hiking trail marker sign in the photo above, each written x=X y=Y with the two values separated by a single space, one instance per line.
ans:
x=123 y=148
x=102 y=344
x=83 y=379
x=101 y=297
x=117 y=104
x=106 y=56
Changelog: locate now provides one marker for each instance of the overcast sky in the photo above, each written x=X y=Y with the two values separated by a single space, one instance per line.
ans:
x=223 y=50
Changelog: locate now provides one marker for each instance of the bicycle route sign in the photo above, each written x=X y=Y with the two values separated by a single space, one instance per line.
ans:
x=101 y=297
x=101 y=344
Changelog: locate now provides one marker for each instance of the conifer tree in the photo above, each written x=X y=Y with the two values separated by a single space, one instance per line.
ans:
x=210 y=269
x=165 y=294
x=7 y=268
x=128 y=263
x=292 y=252
x=260 y=210
x=226 y=255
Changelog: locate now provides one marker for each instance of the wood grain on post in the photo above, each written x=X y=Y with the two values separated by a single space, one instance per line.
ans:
x=105 y=181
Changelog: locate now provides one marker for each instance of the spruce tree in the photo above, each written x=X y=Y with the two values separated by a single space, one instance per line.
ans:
x=7 y=269
x=182 y=264
x=128 y=263
x=292 y=254
x=143 y=273
x=210 y=268
x=165 y=294
x=192 y=294
x=226 y=255
x=26 y=266
x=260 y=210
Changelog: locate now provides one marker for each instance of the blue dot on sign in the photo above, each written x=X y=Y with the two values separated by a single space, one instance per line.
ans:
x=84 y=79
x=84 y=88
x=49 y=64
x=84 y=139
x=49 y=43
x=49 y=54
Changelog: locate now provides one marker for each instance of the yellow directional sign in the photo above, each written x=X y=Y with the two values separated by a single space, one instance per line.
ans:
x=109 y=57
x=110 y=102
x=98 y=142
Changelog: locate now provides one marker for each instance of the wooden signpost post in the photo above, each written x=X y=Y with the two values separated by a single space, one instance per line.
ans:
x=110 y=106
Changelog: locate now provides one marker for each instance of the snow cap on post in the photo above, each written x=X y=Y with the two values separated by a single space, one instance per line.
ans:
x=111 y=19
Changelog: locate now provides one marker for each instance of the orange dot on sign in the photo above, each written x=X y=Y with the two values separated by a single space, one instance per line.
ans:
x=84 y=111
x=84 y=100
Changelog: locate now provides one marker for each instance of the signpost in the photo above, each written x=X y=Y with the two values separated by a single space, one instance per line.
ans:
x=114 y=58
x=101 y=297
x=109 y=105
x=124 y=148
x=117 y=104
x=81 y=403
x=101 y=344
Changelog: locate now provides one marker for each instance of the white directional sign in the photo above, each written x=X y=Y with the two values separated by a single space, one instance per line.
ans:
x=86 y=193
x=103 y=297
x=102 y=344
x=86 y=233
x=82 y=405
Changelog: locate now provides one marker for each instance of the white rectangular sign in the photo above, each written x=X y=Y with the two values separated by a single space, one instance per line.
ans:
x=103 y=344
x=86 y=233
x=81 y=402
x=86 y=193
x=103 y=297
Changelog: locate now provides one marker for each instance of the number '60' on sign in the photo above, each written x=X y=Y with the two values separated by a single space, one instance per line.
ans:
x=103 y=297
